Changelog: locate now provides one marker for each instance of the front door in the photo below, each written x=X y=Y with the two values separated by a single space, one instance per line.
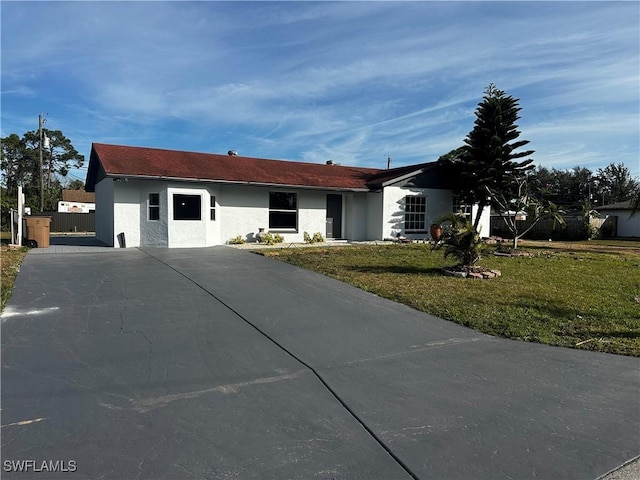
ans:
x=334 y=216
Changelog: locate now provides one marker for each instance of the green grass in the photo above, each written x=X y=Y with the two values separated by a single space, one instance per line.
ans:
x=574 y=295
x=10 y=261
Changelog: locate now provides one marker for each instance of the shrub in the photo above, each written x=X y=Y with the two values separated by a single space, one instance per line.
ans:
x=236 y=240
x=317 y=237
x=271 y=239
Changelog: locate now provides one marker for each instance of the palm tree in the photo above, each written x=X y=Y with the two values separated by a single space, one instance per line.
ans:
x=459 y=238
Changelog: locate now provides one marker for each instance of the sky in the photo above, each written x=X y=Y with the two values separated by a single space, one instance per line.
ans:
x=352 y=82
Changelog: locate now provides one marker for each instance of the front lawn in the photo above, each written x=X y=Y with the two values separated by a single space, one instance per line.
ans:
x=582 y=295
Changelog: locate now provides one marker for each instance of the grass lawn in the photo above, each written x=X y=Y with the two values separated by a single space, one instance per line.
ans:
x=584 y=295
x=10 y=261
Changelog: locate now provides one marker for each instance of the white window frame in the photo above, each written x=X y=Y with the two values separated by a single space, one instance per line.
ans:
x=153 y=207
x=415 y=213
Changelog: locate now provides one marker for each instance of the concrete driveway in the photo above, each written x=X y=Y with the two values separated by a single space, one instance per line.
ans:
x=218 y=363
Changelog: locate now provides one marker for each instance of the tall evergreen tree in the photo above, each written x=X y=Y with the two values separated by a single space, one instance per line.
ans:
x=488 y=162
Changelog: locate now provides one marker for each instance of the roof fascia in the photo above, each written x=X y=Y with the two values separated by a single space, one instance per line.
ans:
x=231 y=182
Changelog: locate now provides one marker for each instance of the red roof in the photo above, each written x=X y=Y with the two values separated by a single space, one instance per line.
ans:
x=124 y=161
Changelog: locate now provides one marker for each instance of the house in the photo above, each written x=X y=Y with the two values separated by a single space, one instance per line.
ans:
x=156 y=197
x=622 y=214
x=77 y=201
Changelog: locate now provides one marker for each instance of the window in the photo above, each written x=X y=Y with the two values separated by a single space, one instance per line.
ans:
x=462 y=208
x=283 y=211
x=415 y=210
x=212 y=207
x=187 y=207
x=154 y=206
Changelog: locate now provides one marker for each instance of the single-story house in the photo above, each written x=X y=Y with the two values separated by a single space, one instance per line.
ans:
x=77 y=201
x=628 y=224
x=157 y=197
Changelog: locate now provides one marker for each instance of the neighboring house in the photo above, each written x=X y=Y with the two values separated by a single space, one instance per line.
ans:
x=628 y=224
x=153 y=197
x=77 y=201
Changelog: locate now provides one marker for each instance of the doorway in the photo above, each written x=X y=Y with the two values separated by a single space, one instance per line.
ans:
x=334 y=216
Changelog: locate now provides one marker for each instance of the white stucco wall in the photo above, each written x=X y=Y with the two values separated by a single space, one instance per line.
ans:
x=438 y=203
x=627 y=226
x=375 y=224
x=484 y=227
x=104 y=211
x=126 y=212
x=245 y=209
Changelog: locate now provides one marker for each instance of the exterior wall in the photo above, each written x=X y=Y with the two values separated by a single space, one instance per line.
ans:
x=375 y=224
x=627 y=226
x=104 y=211
x=244 y=210
x=191 y=233
x=75 y=207
x=354 y=216
x=126 y=213
x=122 y=207
x=484 y=227
x=438 y=202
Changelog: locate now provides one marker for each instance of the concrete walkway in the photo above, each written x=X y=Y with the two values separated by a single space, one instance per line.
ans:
x=219 y=363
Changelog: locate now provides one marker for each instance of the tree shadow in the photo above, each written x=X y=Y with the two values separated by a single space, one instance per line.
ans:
x=398 y=269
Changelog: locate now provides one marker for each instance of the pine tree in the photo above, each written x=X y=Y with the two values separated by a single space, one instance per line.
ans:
x=487 y=164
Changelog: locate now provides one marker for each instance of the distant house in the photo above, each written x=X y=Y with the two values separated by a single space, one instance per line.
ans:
x=628 y=225
x=77 y=201
x=154 y=197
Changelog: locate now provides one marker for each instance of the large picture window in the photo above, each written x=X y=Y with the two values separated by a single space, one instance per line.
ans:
x=415 y=213
x=187 y=207
x=283 y=211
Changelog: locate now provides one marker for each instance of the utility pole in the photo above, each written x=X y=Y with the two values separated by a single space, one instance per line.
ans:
x=40 y=122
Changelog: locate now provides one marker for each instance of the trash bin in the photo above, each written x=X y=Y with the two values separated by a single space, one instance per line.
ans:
x=38 y=229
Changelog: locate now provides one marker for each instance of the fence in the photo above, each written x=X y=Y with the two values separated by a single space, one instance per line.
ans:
x=71 y=222
x=575 y=228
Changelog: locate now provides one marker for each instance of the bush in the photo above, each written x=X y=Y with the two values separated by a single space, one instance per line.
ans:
x=317 y=237
x=271 y=239
x=236 y=240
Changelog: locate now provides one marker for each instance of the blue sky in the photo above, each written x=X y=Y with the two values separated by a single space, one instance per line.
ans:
x=311 y=81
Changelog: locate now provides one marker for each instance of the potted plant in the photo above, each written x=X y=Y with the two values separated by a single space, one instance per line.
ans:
x=436 y=231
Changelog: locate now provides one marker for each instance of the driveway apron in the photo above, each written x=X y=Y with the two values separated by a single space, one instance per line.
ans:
x=218 y=363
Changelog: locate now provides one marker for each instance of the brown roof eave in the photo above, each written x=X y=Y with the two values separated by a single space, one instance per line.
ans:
x=233 y=182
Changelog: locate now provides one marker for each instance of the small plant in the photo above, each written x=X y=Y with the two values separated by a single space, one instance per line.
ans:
x=236 y=240
x=317 y=237
x=271 y=239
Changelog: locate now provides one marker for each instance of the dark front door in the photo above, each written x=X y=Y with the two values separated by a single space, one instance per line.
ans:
x=334 y=216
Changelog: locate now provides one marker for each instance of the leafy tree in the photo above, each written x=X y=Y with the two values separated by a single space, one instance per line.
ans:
x=488 y=160
x=524 y=200
x=615 y=183
x=20 y=165
x=75 y=185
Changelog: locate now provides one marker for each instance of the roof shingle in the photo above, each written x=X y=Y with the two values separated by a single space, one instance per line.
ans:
x=126 y=161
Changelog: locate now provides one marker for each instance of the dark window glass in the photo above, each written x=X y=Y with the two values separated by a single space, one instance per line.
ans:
x=187 y=207
x=154 y=206
x=415 y=213
x=212 y=208
x=283 y=210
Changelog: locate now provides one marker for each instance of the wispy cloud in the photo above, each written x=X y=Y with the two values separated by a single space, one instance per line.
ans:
x=350 y=81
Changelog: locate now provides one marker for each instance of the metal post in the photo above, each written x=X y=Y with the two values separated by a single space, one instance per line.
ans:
x=41 y=166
